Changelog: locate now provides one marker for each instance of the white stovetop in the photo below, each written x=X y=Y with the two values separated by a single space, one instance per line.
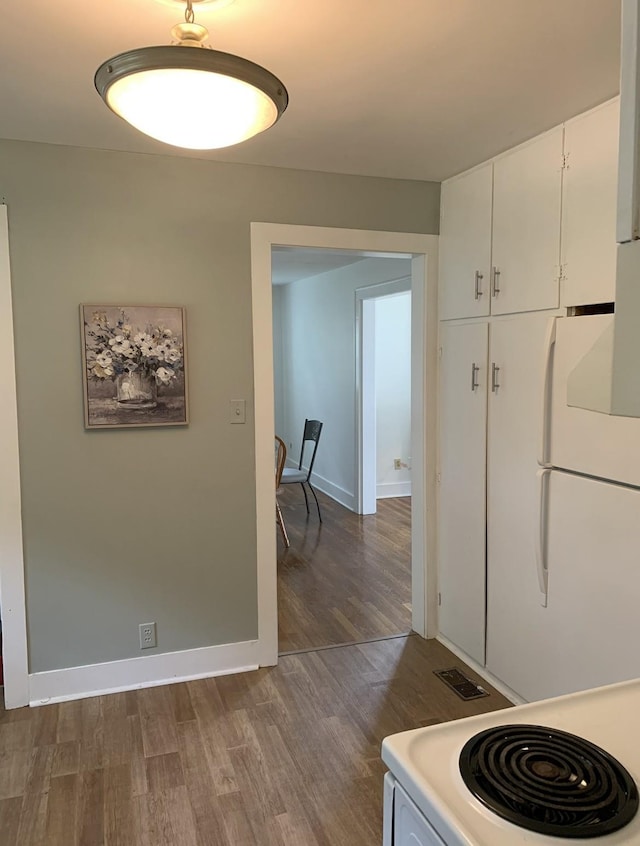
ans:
x=425 y=762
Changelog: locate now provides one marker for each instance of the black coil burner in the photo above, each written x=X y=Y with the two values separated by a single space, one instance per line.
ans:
x=549 y=781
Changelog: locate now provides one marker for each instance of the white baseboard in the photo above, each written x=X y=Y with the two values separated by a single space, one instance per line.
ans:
x=509 y=694
x=147 y=671
x=386 y=490
x=334 y=491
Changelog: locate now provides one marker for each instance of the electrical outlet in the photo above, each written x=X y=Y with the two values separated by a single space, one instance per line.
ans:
x=147 y=635
x=397 y=463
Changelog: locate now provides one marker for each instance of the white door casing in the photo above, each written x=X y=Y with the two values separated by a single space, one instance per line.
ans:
x=12 y=593
x=422 y=249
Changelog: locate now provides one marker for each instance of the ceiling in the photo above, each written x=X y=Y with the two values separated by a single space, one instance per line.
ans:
x=411 y=89
x=291 y=264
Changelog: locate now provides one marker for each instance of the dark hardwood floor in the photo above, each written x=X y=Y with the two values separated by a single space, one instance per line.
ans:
x=347 y=580
x=285 y=756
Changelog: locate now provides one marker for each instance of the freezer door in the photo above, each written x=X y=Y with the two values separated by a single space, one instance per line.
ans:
x=587 y=441
x=591 y=631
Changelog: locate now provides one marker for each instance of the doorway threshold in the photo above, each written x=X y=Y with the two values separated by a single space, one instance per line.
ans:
x=346 y=643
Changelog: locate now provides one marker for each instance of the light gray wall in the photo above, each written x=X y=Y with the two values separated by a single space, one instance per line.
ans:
x=318 y=381
x=129 y=526
x=393 y=393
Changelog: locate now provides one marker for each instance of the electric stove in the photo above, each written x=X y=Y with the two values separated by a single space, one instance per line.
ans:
x=563 y=770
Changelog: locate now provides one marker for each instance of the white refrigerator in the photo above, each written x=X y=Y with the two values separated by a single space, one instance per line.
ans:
x=587 y=529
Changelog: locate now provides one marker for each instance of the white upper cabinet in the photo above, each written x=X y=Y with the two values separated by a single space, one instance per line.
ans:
x=527 y=189
x=589 y=207
x=465 y=244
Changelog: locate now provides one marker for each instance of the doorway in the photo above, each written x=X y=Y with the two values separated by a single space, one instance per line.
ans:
x=422 y=250
x=368 y=350
x=348 y=579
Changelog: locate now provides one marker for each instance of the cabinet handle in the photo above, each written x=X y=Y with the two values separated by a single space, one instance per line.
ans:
x=474 y=376
x=494 y=377
x=478 y=289
x=541 y=535
x=495 y=287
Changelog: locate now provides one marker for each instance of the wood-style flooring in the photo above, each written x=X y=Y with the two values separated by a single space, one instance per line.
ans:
x=347 y=579
x=285 y=756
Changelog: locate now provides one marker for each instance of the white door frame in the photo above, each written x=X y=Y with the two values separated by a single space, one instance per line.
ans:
x=422 y=249
x=366 y=481
x=12 y=594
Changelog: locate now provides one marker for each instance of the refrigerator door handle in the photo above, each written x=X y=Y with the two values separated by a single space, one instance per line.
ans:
x=543 y=453
x=541 y=534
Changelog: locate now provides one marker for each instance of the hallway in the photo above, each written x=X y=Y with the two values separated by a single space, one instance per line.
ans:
x=347 y=580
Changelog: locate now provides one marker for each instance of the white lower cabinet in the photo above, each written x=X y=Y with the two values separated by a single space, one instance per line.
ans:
x=489 y=439
x=515 y=614
x=462 y=515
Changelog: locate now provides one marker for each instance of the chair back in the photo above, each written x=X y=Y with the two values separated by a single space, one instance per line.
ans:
x=311 y=434
x=280 y=459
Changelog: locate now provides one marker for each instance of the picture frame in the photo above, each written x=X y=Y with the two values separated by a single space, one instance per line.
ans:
x=134 y=366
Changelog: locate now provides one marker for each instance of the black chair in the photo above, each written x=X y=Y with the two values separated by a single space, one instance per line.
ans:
x=290 y=476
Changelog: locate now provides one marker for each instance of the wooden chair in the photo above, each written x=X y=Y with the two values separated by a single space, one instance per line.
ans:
x=281 y=457
x=290 y=476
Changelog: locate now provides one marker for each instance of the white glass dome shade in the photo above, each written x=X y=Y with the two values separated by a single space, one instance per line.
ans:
x=191 y=96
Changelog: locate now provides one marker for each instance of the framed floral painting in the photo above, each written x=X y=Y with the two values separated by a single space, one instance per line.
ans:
x=134 y=366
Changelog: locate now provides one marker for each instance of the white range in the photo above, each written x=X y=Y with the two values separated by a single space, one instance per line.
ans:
x=428 y=803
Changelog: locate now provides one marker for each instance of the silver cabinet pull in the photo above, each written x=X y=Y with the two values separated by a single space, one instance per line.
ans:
x=494 y=377
x=474 y=376
x=495 y=286
x=478 y=289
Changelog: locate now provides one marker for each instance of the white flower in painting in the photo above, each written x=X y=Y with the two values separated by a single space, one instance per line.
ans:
x=102 y=372
x=129 y=352
x=166 y=333
x=164 y=376
x=161 y=352
x=142 y=338
x=147 y=348
x=130 y=366
x=119 y=344
x=126 y=329
x=104 y=359
x=172 y=355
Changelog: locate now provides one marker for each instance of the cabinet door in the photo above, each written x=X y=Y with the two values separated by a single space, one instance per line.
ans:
x=589 y=195
x=465 y=244
x=462 y=511
x=514 y=611
x=526 y=226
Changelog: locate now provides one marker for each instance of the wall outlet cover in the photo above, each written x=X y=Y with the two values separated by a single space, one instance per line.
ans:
x=147 y=635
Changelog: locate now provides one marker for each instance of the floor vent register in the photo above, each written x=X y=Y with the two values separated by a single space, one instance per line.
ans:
x=460 y=684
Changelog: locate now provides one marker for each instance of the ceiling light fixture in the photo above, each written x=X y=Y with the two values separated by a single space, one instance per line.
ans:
x=188 y=95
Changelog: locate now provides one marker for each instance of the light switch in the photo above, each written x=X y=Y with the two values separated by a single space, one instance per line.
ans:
x=237 y=411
